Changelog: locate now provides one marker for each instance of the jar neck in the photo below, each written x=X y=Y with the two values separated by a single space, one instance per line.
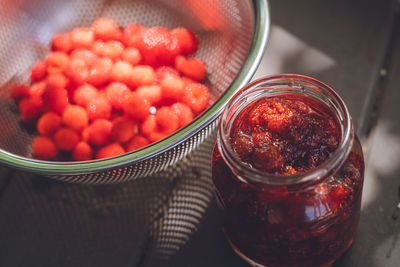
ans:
x=287 y=85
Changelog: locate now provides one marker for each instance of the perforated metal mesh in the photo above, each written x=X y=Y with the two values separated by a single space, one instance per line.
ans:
x=127 y=224
x=226 y=30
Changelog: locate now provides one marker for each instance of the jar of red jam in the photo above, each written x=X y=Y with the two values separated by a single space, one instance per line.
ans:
x=288 y=172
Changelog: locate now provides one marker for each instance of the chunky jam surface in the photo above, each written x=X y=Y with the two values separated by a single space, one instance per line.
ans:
x=294 y=225
x=284 y=136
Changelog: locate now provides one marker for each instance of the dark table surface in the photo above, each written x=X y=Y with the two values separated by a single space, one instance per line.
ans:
x=353 y=45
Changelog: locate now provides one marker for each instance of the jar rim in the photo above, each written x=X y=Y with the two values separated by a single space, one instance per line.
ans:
x=325 y=169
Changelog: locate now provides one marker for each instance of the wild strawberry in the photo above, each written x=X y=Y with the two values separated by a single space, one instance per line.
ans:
x=99 y=132
x=30 y=108
x=44 y=148
x=20 y=91
x=150 y=92
x=97 y=47
x=136 y=107
x=196 y=96
x=77 y=71
x=82 y=38
x=136 y=143
x=75 y=117
x=132 y=34
x=187 y=80
x=56 y=80
x=66 y=139
x=142 y=75
x=82 y=151
x=111 y=150
x=187 y=41
x=57 y=62
x=112 y=49
x=84 y=93
x=55 y=99
x=166 y=71
x=115 y=93
x=123 y=129
x=100 y=73
x=149 y=125
x=62 y=43
x=37 y=89
x=86 y=55
x=191 y=67
x=172 y=89
x=48 y=123
x=39 y=71
x=99 y=108
x=121 y=72
x=158 y=46
x=157 y=136
x=131 y=55
x=167 y=120
x=106 y=29
x=184 y=113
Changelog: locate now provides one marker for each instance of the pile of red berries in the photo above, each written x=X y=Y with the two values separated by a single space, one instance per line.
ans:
x=104 y=91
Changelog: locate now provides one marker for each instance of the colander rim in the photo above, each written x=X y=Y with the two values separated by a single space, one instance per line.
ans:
x=257 y=47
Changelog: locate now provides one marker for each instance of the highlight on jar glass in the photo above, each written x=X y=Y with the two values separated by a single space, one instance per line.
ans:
x=288 y=172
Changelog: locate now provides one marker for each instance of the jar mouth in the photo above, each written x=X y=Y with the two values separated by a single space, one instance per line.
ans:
x=286 y=84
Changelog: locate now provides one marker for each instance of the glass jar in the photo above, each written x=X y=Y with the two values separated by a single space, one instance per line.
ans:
x=304 y=219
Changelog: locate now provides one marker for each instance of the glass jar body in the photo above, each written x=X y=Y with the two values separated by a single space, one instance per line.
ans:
x=273 y=226
x=307 y=223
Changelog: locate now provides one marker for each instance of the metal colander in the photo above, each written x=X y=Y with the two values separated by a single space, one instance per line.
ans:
x=233 y=35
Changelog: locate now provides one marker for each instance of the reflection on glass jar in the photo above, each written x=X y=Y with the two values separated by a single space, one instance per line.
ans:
x=288 y=172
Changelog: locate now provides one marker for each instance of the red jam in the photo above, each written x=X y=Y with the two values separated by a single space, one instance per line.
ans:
x=309 y=224
x=284 y=136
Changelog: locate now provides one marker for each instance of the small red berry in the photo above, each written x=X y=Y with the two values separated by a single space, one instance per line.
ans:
x=39 y=71
x=99 y=108
x=111 y=150
x=57 y=62
x=99 y=132
x=30 y=108
x=131 y=55
x=75 y=117
x=19 y=92
x=142 y=75
x=62 y=43
x=184 y=113
x=167 y=120
x=82 y=151
x=123 y=129
x=82 y=38
x=106 y=29
x=116 y=93
x=48 y=123
x=86 y=55
x=136 y=107
x=136 y=143
x=150 y=92
x=132 y=35
x=193 y=68
x=66 y=139
x=44 y=148
x=84 y=94
x=121 y=72
x=196 y=96
x=188 y=42
x=100 y=73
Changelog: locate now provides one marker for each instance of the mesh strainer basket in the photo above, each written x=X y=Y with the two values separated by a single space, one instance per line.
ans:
x=233 y=35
